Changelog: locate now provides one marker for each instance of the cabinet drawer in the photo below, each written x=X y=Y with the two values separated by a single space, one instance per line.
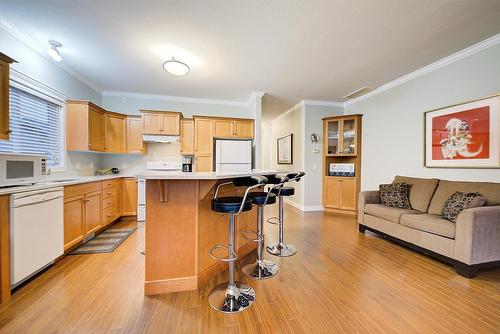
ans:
x=110 y=184
x=110 y=192
x=109 y=214
x=110 y=201
x=80 y=189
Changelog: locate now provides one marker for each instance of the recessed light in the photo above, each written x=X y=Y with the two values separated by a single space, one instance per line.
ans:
x=176 y=67
x=53 y=52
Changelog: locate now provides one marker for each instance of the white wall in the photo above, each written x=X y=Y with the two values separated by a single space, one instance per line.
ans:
x=313 y=162
x=41 y=69
x=292 y=122
x=393 y=119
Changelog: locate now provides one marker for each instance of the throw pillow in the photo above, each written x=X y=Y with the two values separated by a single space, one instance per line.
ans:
x=394 y=195
x=460 y=201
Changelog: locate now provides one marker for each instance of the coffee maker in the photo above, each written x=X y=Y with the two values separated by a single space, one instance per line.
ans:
x=187 y=164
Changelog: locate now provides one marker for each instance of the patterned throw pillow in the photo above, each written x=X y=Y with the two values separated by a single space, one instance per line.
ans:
x=394 y=195
x=460 y=201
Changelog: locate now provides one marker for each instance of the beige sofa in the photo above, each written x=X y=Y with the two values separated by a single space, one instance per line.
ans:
x=472 y=243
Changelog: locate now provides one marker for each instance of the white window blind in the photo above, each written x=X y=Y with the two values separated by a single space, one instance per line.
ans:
x=36 y=127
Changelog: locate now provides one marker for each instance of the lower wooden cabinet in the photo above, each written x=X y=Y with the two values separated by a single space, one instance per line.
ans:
x=129 y=197
x=74 y=220
x=340 y=193
x=90 y=207
x=93 y=212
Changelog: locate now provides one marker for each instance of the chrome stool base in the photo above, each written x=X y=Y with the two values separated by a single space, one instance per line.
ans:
x=282 y=250
x=226 y=299
x=260 y=270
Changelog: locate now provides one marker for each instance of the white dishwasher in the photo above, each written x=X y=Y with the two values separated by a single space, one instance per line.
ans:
x=36 y=231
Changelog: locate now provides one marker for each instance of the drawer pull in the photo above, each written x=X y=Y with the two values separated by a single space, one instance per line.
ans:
x=109 y=193
x=109 y=214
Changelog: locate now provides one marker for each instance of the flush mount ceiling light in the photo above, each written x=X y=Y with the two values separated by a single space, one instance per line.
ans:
x=53 y=52
x=176 y=67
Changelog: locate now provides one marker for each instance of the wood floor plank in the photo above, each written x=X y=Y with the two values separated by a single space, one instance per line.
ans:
x=340 y=281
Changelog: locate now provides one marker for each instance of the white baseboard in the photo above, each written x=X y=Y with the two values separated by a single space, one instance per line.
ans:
x=303 y=207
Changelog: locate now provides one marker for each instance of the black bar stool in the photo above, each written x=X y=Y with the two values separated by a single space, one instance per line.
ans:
x=261 y=269
x=233 y=296
x=281 y=248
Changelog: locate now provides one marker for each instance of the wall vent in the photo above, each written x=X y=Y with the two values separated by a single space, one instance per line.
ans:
x=357 y=92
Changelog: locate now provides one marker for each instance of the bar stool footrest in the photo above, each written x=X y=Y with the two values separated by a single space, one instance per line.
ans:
x=234 y=257
x=273 y=221
x=247 y=232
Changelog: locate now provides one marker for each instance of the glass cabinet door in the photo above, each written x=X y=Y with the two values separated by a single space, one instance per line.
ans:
x=333 y=137
x=349 y=136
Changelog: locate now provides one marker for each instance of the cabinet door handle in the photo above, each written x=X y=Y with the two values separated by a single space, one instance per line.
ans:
x=109 y=193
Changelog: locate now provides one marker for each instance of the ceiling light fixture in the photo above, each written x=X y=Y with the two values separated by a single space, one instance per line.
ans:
x=176 y=67
x=53 y=52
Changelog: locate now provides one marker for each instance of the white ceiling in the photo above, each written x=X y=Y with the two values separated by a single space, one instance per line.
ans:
x=293 y=50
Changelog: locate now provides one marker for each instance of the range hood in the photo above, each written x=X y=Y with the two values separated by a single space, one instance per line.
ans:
x=160 y=139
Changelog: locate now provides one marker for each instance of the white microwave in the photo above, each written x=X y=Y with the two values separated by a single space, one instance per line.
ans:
x=21 y=169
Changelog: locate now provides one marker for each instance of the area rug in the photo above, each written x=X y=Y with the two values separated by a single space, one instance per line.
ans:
x=106 y=242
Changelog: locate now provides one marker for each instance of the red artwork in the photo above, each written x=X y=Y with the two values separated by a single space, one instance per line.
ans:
x=462 y=135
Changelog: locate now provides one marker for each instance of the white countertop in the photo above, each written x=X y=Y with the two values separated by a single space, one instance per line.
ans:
x=65 y=181
x=176 y=175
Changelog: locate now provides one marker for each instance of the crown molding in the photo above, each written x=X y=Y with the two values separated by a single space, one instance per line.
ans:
x=173 y=98
x=469 y=51
x=38 y=48
x=289 y=111
x=323 y=103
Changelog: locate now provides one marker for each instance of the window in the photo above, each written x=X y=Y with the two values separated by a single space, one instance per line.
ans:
x=36 y=126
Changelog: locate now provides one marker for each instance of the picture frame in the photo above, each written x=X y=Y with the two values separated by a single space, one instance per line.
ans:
x=464 y=135
x=284 y=149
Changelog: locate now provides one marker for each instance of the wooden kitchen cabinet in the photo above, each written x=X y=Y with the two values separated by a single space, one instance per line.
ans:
x=229 y=128
x=129 y=197
x=5 y=62
x=82 y=212
x=203 y=144
x=243 y=129
x=187 y=136
x=93 y=212
x=156 y=122
x=224 y=128
x=84 y=126
x=74 y=220
x=115 y=133
x=134 y=135
x=96 y=129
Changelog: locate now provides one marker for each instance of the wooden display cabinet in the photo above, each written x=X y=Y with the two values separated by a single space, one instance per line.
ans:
x=341 y=144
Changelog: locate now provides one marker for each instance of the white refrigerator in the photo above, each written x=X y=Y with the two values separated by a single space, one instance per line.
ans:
x=233 y=155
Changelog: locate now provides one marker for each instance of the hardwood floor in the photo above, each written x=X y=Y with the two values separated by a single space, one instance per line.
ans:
x=340 y=281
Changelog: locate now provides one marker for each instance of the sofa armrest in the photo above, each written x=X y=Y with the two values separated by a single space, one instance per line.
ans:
x=366 y=197
x=477 y=235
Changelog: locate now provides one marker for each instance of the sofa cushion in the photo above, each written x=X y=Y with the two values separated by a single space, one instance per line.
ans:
x=394 y=195
x=489 y=190
x=420 y=191
x=460 y=201
x=429 y=223
x=387 y=213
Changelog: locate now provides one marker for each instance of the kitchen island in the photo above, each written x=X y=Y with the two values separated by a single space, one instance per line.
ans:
x=181 y=228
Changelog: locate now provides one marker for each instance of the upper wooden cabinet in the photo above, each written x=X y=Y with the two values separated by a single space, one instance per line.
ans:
x=91 y=128
x=115 y=133
x=134 y=135
x=156 y=122
x=84 y=126
x=5 y=62
x=228 y=128
x=187 y=136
